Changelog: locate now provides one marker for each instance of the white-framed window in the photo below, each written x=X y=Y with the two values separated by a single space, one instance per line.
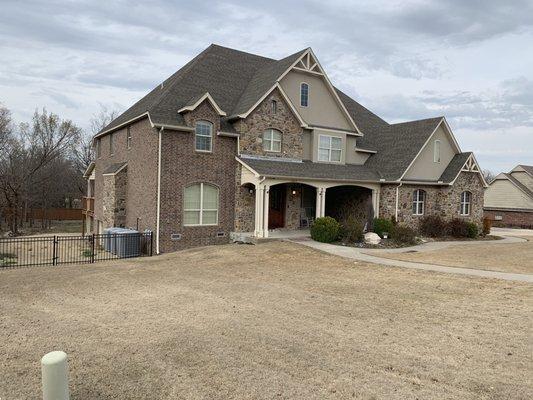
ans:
x=419 y=200
x=204 y=136
x=274 y=106
x=111 y=144
x=329 y=148
x=128 y=138
x=466 y=200
x=200 y=205
x=436 y=151
x=272 y=140
x=304 y=94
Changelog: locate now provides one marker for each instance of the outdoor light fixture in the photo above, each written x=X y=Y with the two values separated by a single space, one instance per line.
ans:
x=294 y=192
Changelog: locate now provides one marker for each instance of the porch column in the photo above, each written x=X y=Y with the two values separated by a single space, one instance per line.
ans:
x=375 y=202
x=323 y=208
x=258 y=230
x=266 y=207
x=320 y=202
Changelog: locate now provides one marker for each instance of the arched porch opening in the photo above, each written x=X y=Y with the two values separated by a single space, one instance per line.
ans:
x=343 y=202
x=291 y=206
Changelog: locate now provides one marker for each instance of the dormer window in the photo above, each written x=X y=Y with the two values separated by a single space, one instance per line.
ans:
x=304 y=94
x=274 y=106
x=329 y=148
x=436 y=152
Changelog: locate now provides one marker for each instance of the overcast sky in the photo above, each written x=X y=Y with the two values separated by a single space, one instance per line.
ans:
x=470 y=60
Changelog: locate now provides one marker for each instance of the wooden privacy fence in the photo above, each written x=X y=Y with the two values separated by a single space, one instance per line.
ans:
x=55 y=250
x=55 y=214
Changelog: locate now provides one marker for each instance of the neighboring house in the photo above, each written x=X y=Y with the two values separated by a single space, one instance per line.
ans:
x=235 y=142
x=509 y=198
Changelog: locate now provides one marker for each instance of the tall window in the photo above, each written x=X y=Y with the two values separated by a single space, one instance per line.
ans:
x=304 y=94
x=128 y=138
x=466 y=198
x=98 y=147
x=200 y=205
x=274 y=106
x=204 y=136
x=272 y=140
x=436 y=151
x=419 y=199
x=111 y=143
x=329 y=148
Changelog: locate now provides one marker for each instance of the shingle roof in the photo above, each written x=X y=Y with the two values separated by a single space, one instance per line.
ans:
x=454 y=167
x=397 y=145
x=527 y=168
x=310 y=170
x=114 y=168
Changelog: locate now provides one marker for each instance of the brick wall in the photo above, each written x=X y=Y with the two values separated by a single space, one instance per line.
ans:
x=251 y=129
x=244 y=204
x=440 y=200
x=512 y=219
x=182 y=166
x=141 y=190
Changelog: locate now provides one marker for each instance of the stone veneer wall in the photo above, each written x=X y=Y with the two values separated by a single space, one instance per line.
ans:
x=293 y=205
x=181 y=166
x=348 y=201
x=114 y=201
x=251 y=129
x=244 y=205
x=444 y=201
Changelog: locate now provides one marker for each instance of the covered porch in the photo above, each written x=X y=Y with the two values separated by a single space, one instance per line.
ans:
x=284 y=206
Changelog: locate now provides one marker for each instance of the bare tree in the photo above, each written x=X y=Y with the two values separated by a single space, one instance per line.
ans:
x=488 y=175
x=26 y=156
x=83 y=152
x=6 y=127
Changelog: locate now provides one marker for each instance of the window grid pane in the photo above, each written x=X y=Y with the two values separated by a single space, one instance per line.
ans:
x=304 y=94
x=200 y=205
x=203 y=132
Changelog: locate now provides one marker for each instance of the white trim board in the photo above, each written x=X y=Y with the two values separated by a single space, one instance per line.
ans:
x=207 y=96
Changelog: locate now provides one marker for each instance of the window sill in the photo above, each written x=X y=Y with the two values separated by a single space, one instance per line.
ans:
x=198 y=225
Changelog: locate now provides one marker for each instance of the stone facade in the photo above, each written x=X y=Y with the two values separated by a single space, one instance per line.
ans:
x=244 y=204
x=345 y=201
x=444 y=201
x=293 y=205
x=181 y=166
x=140 y=207
x=262 y=118
x=114 y=199
x=510 y=218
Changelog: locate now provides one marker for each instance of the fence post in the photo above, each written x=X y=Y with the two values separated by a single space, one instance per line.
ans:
x=92 y=248
x=54 y=252
x=54 y=371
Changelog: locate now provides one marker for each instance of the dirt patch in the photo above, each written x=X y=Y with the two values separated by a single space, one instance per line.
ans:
x=510 y=257
x=275 y=320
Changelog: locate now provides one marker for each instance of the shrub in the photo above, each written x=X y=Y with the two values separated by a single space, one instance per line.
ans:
x=458 y=227
x=325 y=229
x=402 y=234
x=352 y=230
x=473 y=230
x=432 y=226
x=383 y=225
x=487 y=225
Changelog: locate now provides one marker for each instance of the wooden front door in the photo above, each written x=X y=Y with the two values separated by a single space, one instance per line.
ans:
x=276 y=212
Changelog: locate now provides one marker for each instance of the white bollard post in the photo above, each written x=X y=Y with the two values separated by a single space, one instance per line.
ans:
x=55 y=376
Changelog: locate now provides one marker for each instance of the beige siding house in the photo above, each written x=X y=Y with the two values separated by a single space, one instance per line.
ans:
x=509 y=198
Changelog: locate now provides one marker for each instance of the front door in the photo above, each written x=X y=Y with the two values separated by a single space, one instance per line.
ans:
x=276 y=213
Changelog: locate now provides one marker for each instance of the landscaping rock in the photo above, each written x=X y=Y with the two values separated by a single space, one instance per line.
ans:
x=372 y=238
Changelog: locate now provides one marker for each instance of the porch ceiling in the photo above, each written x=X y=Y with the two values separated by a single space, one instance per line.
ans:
x=310 y=170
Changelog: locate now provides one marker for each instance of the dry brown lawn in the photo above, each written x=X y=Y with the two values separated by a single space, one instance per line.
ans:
x=492 y=256
x=274 y=321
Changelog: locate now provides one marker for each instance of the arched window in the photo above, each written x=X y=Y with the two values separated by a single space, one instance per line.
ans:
x=304 y=94
x=272 y=140
x=203 y=136
x=466 y=198
x=419 y=199
x=436 y=151
x=200 y=205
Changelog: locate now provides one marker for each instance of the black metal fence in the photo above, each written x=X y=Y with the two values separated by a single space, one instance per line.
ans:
x=55 y=250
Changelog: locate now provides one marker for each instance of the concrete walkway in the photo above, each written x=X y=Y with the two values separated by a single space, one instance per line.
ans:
x=363 y=255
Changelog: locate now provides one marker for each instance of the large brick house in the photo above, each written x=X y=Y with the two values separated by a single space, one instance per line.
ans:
x=509 y=198
x=236 y=142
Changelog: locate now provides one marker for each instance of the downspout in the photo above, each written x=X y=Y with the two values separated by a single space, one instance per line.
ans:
x=158 y=192
x=397 y=200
